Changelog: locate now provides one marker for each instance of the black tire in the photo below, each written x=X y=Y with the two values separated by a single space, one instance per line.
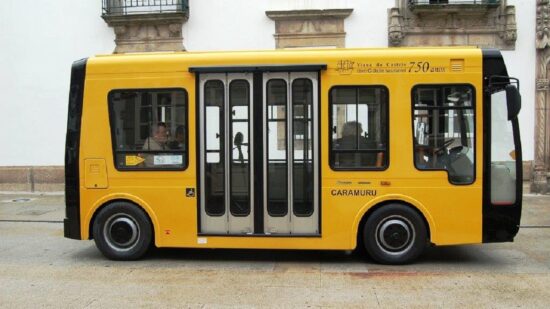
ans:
x=122 y=231
x=395 y=234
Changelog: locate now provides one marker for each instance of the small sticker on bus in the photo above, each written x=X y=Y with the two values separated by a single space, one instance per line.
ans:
x=168 y=160
x=202 y=241
x=133 y=160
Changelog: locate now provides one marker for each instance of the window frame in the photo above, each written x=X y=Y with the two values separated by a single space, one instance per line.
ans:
x=203 y=139
x=221 y=126
x=112 y=122
x=231 y=141
x=474 y=131
x=387 y=119
x=266 y=130
x=308 y=119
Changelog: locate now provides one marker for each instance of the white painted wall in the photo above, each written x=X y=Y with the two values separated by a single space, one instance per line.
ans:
x=40 y=41
x=245 y=25
x=521 y=64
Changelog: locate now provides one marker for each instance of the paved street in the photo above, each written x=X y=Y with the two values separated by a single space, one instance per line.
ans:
x=38 y=267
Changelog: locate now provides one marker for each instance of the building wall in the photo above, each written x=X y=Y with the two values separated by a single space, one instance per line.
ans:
x=521 y=64
x=250 y=28
x=40 y=41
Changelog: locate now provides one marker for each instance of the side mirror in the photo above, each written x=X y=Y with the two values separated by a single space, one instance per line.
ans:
x=513 y=99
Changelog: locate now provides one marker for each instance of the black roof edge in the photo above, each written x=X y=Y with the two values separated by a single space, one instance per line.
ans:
x=256 y=68
x=491 y=53
x=493 y=64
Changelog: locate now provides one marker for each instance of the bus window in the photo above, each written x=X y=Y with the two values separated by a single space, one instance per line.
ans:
x=214 y=101
x=302 y=103
x=503 y=155
x=277 y=197
x=443 y=124
x=239 y=167
x=359 y=125
x=149 y=129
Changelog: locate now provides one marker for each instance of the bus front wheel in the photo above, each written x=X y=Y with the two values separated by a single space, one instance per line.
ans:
x=122 y=231
x=394 y=234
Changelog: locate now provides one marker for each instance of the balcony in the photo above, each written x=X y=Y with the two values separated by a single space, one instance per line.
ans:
x=146 y=25
x=483 y=23
x=421 y=6
x=143 y=7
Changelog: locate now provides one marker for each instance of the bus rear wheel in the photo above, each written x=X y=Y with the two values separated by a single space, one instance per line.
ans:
x=122 y=231
x=394 y=234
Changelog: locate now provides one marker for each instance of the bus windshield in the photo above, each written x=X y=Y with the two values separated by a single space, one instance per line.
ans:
x=503 y=153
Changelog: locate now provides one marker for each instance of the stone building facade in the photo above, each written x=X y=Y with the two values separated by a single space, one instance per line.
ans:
x=178 y=25
x=490 y=24
x=541 y=169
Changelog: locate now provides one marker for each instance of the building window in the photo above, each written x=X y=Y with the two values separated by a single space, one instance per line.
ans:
x=444 y=130
x=359 y=127
x=149 y=129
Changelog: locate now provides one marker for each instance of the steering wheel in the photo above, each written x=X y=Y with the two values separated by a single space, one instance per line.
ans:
x=458 y=149
x=445 y=144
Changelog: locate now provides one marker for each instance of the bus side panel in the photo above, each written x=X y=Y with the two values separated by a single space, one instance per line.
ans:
x=161 y=193
x=454 y=209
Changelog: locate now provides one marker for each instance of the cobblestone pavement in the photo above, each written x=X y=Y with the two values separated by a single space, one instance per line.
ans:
x=38 y=267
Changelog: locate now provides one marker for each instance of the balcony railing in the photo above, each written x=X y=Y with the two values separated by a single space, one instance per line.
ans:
x=413 y=3
x=138 y=7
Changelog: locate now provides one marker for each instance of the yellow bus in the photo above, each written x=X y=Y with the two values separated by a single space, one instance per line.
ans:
x=389 y=150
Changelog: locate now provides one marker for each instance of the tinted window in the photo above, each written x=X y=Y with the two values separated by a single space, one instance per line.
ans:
x=359 y=127
x=277 y=160
x=443 y=124
x=149 y=128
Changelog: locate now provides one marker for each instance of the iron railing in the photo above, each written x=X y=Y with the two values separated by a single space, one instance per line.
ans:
x=454 y=2
x=136 y=7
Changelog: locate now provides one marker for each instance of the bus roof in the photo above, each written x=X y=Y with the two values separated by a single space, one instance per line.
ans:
x=182 y=61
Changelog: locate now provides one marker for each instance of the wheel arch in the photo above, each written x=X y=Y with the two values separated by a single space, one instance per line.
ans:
x=107 y=200
x=378 y=203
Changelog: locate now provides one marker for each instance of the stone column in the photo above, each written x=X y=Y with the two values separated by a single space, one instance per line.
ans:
x=541 y=172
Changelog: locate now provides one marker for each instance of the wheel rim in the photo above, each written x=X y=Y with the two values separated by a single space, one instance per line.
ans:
x=121 y=232
x=395 y=235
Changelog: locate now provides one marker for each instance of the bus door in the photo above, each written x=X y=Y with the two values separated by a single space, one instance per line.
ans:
x=226 y=153
x=270 y=144
x=290 y=176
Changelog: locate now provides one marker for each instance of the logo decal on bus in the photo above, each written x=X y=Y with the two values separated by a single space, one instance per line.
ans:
x=350 y=192
x=345 y=67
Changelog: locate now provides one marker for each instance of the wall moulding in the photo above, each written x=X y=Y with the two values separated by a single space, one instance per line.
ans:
x=306 y=28
x=483 y=25
x=148 y=32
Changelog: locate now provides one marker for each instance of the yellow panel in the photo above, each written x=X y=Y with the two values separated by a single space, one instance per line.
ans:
x=454 y=213
x=95 y=174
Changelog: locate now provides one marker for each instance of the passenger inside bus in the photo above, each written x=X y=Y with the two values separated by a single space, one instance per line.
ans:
x=157 y=141
x=353 y=138
x=158 y=138
x=179 y=139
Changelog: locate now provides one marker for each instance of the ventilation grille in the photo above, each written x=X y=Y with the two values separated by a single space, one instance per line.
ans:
x=457 y=65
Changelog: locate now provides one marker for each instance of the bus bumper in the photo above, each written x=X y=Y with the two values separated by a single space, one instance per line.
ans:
x=71 y=225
